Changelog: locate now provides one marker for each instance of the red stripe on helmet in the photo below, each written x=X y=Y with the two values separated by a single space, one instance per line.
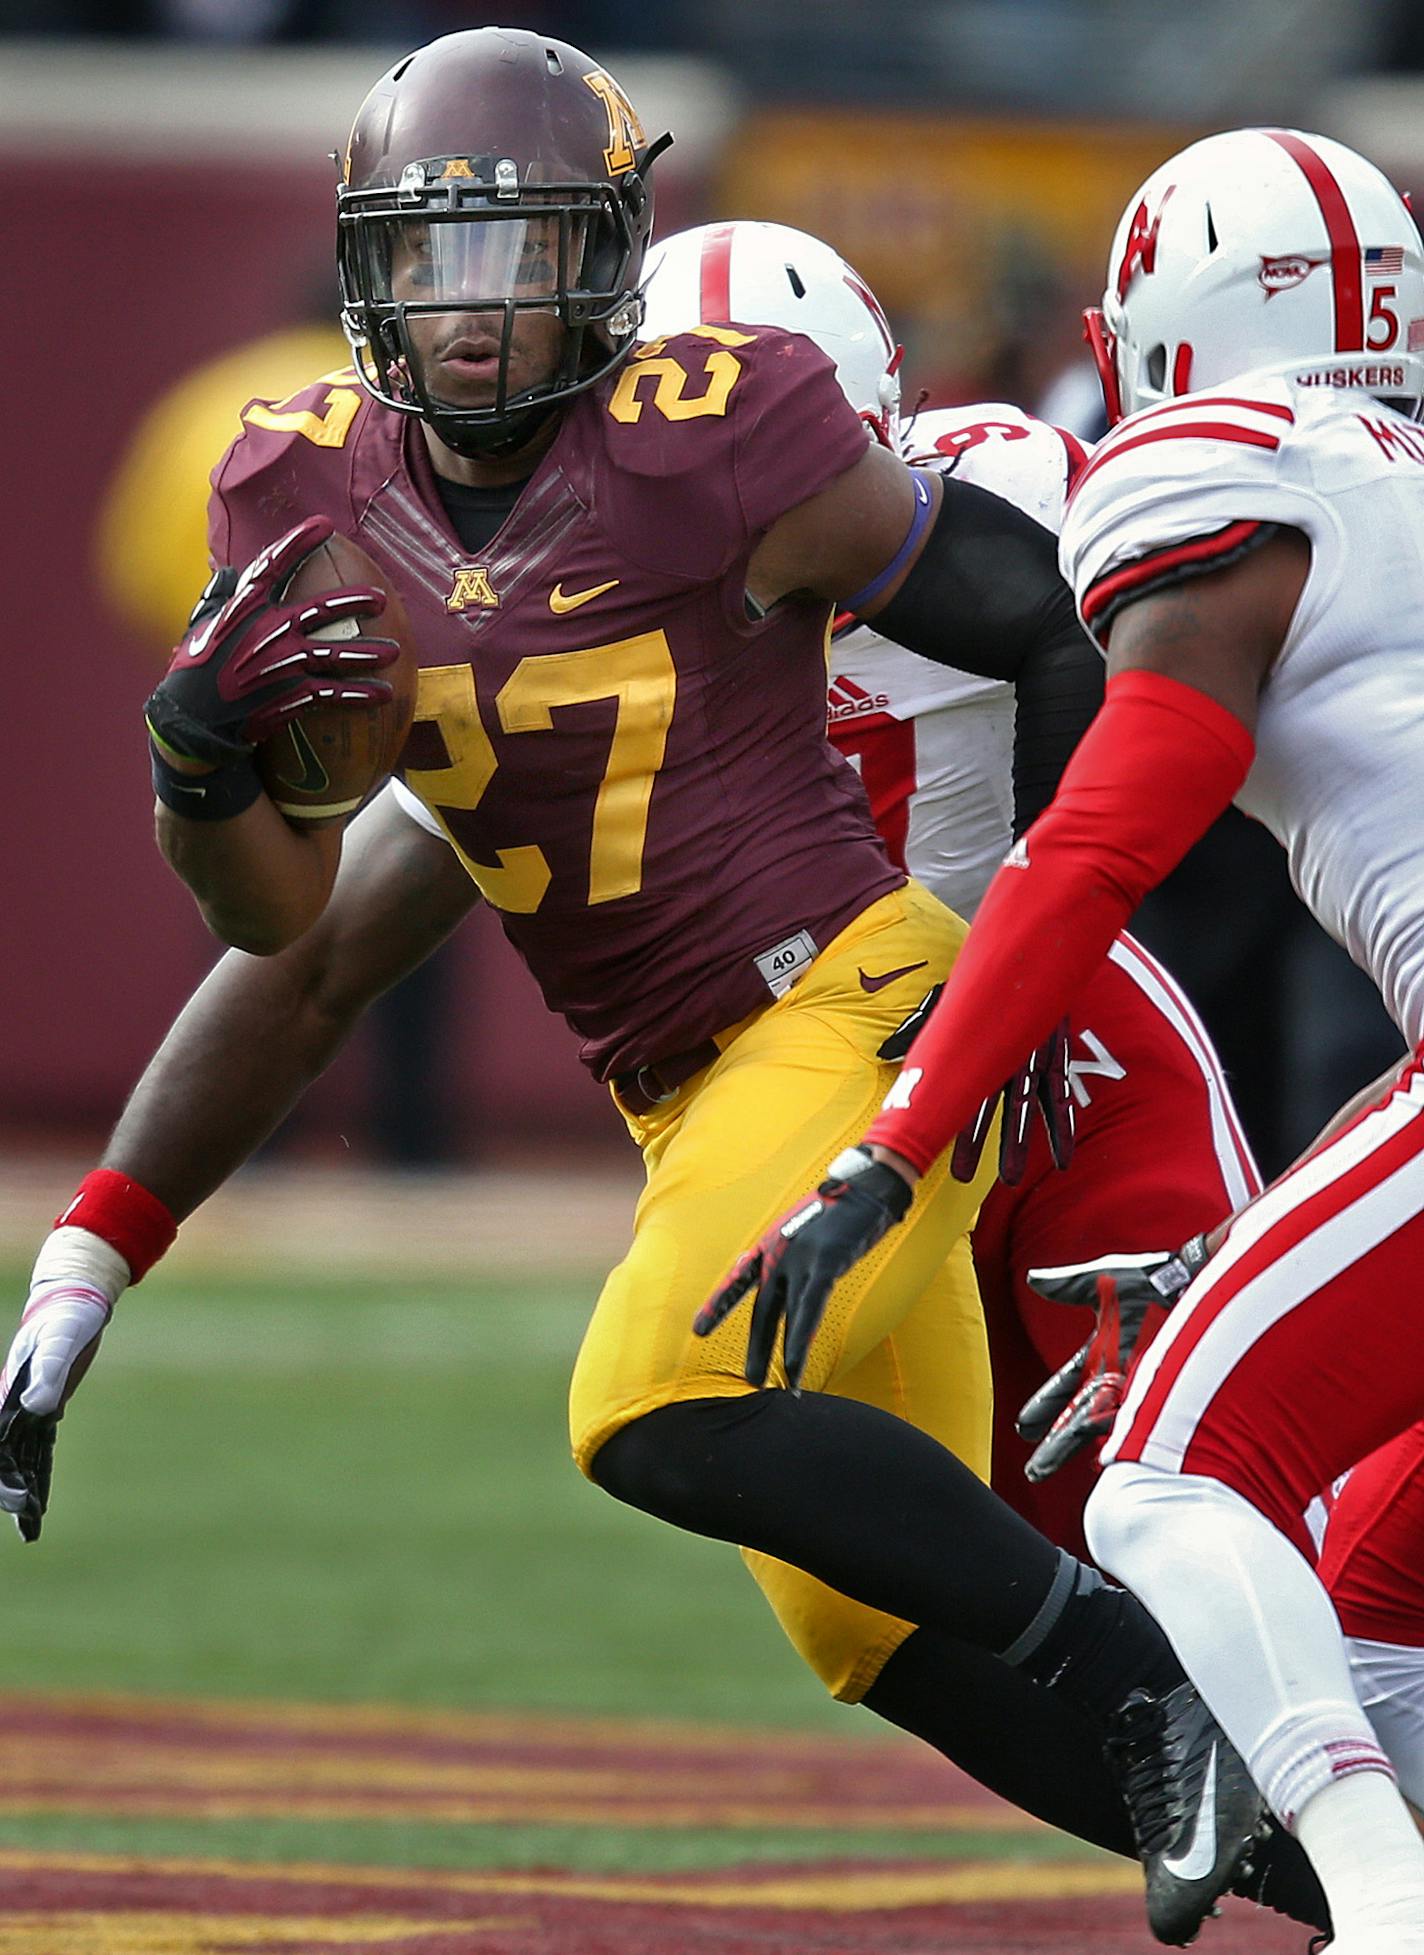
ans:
x=872 y=305
x=715 y=294
x=1346 y=261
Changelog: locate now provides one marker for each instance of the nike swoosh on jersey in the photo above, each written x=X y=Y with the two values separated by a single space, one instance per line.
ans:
x=561 y=601
x=1200 y=1855
x=882 y=978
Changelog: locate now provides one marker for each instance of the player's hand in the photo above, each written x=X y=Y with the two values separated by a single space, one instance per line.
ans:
x=908 y=1030
x=1078 y=1404
x=801 y=1258
x=53 y=1348
x=1042 y=1083
x=248 y=661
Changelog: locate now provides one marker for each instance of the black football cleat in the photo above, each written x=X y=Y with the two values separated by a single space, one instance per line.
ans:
x=1196 y=1814
x=1279 y=1875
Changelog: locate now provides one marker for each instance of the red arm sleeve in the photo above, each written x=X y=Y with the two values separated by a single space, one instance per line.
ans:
x=1157 y=766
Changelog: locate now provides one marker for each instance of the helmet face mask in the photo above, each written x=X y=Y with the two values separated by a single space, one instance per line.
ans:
x=1262 y=249
x=758 y=274
x=484 y=284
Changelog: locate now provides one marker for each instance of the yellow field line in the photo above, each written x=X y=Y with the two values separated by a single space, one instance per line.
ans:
x=528 y=1731
x=160 y=1933
x=60 y=1764
x=839 y=1890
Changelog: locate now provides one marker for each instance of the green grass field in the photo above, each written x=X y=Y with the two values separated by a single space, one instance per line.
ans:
x=349 y=1490
x=361 y=1490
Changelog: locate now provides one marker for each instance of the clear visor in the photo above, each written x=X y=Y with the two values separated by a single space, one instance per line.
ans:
x=477 y=259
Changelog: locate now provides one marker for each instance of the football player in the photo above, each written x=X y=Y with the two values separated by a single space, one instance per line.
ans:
x=1372 y=1565
x=949 y=786
x=1245 y=548
x=621 y=561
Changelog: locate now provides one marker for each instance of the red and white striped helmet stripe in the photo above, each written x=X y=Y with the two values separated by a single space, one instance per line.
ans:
x=1346 y=259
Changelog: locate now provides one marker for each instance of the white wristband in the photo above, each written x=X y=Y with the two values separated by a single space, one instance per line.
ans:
x=70 y=1255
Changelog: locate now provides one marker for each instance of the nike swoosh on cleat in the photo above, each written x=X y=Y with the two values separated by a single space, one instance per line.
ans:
x=1200 y=1855
x=561 y=601
x=879 y=982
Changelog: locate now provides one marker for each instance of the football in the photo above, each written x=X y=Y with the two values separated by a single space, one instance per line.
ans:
x=324 y=762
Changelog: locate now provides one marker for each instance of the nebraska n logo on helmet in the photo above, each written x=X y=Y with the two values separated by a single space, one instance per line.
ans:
x=515 y=171
x=1262 y=248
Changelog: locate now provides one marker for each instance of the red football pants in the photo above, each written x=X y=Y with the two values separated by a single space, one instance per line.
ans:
x=1160 y=1156
x=1300 y=1348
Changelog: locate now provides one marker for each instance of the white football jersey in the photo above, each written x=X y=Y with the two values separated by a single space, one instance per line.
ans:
x=934 y=746
x=1338 y=776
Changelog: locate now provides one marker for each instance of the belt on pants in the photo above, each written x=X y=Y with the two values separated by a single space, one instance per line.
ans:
x=648 y=1086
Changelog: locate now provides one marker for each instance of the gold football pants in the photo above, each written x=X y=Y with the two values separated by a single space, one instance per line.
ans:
x=733 y=1148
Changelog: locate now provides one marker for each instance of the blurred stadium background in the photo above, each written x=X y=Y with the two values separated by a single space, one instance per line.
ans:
x=323 y=1455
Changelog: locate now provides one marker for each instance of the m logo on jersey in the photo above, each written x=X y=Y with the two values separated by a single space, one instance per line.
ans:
x=1140 y=251
x=1280 y=274
x=472 y=587
x=847 y=701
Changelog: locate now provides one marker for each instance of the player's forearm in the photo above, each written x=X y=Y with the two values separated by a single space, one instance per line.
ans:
x=258 y=882
x=259 y=1029
x=237 y=1059
x=1054 y=908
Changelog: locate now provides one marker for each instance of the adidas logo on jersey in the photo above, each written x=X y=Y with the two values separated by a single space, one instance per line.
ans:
x=846 y=700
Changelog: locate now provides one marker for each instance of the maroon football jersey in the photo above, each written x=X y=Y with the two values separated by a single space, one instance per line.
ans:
x=634 y=771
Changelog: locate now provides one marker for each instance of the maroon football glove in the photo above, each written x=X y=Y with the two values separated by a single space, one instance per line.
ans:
x=249 y=661
x=803 y=1255
x=1077 y=1406
x=1042 y=1083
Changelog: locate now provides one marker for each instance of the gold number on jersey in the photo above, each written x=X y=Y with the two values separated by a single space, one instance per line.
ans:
x=447 y=696
x=720 y=370
x=638 y=673
x=328 y=429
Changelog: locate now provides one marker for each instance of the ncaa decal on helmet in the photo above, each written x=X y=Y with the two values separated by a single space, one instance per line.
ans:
x=1262 y=248
x=493 y=176
x=755 y=274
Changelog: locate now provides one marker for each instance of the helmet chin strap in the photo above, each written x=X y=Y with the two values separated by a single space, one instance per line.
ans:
x=489 y=441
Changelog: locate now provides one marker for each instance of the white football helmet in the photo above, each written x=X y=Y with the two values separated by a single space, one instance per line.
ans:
x=1262 y=248
x=754 y=274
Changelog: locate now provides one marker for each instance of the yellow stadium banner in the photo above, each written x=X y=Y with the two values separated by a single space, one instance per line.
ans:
x=946 y=217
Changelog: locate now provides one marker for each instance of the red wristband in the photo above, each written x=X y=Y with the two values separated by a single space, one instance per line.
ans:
x=126 y=1215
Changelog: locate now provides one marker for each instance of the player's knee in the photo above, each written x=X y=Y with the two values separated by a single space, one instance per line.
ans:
x=1121 y=1516
x=658 y=1462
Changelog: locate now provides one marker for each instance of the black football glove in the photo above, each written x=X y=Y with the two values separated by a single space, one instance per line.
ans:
x=908 y=1030
x=1041 y=1083
x=803 y=1255
x=249 y=661
x=26 y=1459
x=1076 y=1407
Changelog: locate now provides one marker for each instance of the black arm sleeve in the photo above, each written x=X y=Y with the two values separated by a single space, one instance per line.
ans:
x=985 y=596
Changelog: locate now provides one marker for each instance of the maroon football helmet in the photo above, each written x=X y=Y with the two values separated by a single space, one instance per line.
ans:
x=493 y=174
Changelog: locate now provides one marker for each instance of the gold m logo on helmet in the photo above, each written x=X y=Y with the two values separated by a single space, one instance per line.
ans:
x=456 y=166
x=472 y=586
x=625 y=131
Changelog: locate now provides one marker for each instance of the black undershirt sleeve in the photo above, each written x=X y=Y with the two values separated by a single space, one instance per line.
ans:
x=985 y=597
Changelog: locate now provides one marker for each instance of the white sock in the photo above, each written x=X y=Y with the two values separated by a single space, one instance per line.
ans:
x=1368 y=1854
x=1257 y=1634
